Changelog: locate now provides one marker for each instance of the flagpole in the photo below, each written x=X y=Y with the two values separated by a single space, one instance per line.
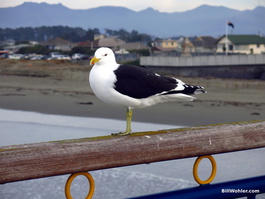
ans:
x=226 y=37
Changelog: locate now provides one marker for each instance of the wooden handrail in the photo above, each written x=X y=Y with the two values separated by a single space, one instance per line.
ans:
x=29 y=161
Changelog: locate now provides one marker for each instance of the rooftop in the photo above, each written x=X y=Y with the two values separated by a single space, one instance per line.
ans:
x=246 y=39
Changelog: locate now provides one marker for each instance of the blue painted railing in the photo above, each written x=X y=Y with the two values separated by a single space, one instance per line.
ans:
x=249 y=188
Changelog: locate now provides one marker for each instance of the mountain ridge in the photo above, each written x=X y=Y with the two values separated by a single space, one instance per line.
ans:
x=203 y=20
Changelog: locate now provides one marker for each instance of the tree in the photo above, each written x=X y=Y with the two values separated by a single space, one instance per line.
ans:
x=38 y=49
x=133 y=36
x=45 y=33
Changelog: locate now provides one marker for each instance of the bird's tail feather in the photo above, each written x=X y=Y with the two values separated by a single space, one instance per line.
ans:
x=200 y=91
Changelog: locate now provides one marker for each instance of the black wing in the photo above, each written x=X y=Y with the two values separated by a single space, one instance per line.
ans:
x=140 y=83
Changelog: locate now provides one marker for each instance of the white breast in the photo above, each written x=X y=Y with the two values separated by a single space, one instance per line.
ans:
x=102 y=81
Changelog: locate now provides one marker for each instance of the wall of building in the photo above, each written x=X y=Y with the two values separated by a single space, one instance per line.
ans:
x=257 y=49
x=246 y=48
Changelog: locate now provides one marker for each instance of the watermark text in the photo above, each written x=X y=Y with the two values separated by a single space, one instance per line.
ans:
x=254 y=191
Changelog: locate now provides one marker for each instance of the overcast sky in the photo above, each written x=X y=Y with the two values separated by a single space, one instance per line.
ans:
x=137 y=5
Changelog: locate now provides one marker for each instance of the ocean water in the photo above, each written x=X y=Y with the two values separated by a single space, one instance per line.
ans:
x=20 y=127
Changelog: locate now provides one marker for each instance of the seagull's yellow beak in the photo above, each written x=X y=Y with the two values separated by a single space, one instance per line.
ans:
x=94 y=60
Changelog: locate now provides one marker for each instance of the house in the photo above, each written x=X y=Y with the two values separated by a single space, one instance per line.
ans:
x=135 y=46
x=99 y=36
x=204 y=44
x=86 y=44
x=111 y=42
x=58 y=44
x=243 y=44
x=167 y=44
x=15 y=48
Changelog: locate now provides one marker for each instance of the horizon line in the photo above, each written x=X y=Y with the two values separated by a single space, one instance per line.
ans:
x=29 y=2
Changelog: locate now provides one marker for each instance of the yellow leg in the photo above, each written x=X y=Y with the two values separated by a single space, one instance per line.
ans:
x=129 y=114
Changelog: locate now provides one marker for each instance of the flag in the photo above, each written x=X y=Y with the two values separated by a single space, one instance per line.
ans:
x=230 y=24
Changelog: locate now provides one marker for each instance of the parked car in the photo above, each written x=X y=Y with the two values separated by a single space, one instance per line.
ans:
x=64 y=57
x=38 y=57
x=54 y=54
x=58 y=56
x=79 y=56
x=15 y=56
x=4 y=54
x=28 y=56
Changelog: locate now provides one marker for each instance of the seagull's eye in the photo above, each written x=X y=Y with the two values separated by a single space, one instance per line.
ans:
x=105 y=54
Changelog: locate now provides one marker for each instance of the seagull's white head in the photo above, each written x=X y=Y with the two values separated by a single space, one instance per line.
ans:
x=103 y=55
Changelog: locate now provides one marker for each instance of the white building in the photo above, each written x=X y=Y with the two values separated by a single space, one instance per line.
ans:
x=244 y=44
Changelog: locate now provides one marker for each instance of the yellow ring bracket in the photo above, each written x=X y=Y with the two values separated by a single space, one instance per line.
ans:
x=70 y=180
x=195 y=170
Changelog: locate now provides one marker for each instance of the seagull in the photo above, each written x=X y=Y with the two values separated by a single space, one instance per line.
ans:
x=133 y=86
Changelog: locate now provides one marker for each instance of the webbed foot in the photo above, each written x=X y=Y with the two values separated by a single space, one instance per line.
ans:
x=121 y=133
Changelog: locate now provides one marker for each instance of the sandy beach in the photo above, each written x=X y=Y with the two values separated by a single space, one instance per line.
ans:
x=62 y=88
